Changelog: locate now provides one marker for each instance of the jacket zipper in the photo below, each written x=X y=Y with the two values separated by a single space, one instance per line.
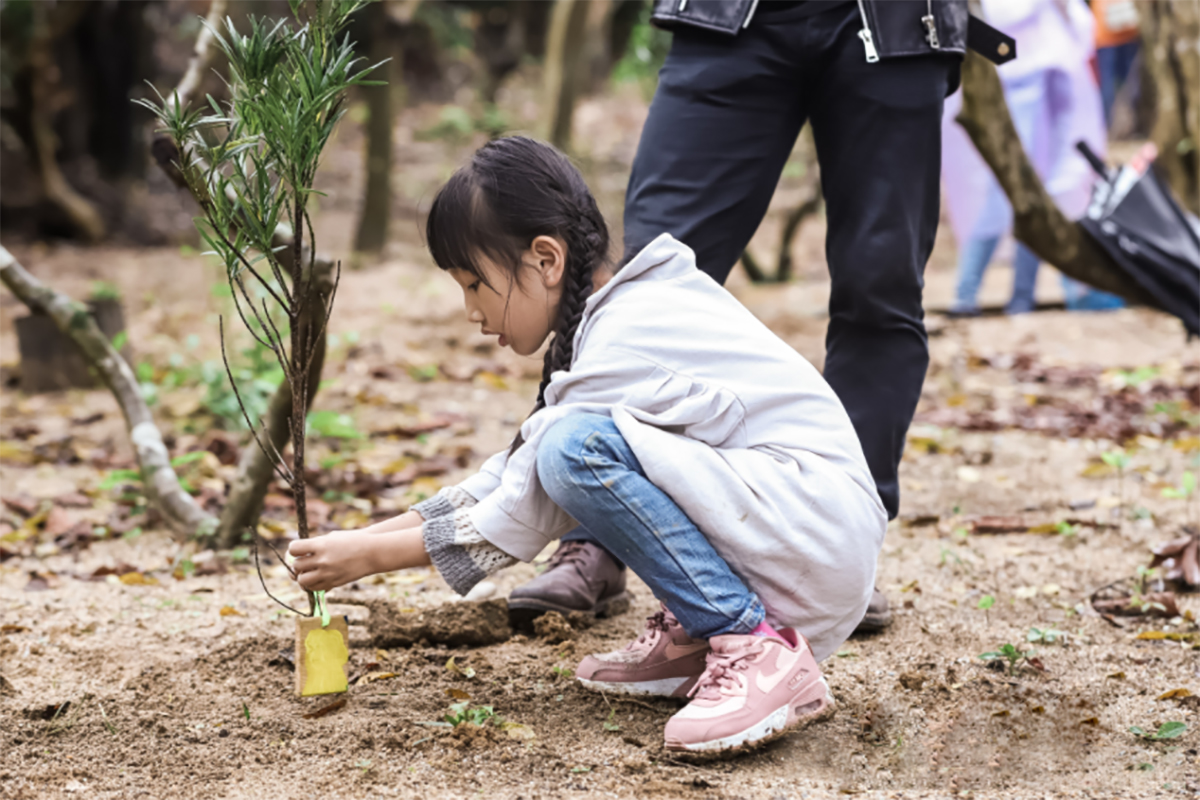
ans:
x=931 y=34
x=865 y=35
x=750 y=14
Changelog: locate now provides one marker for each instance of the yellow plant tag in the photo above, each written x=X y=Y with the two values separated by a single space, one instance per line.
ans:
x=321 y=656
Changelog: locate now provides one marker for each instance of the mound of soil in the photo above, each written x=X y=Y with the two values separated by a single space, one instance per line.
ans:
x=470 y=623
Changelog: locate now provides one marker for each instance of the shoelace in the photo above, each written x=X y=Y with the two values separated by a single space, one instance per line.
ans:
x=570 y=553
x=722 y=670
x=656 y=625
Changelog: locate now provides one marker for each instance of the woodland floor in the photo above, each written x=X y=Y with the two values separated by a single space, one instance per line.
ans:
x=135 y=665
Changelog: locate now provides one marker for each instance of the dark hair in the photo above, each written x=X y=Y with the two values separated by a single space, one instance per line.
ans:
x=513 y=190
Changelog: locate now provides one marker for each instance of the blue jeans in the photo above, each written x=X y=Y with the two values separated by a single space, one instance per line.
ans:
x=587 y=468
x=1114 y=65
x=974 y=261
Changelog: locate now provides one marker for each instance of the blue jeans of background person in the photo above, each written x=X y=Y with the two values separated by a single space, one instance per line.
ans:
x=587 y=468
x=1114 y=65
x=972 y=263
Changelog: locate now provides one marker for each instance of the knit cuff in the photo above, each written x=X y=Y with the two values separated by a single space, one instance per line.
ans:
x=448 y=500
x=433 y=507
x=451 y=560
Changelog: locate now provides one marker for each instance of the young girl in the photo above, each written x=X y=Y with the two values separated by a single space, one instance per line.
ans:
x=694 y=444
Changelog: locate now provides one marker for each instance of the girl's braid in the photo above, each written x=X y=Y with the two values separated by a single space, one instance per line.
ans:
x=587 y=246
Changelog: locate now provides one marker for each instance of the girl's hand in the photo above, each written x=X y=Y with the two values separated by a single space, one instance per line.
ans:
x=335 y=559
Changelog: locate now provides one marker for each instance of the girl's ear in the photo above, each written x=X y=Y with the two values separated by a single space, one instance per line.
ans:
x=550 y=259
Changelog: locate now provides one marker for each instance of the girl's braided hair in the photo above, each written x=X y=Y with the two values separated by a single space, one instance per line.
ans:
x=513 y=190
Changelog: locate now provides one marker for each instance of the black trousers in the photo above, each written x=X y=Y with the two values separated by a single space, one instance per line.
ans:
x=722 y=124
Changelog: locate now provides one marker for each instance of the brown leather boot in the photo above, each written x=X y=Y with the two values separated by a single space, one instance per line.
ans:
x=878 y=615
x=581 y=577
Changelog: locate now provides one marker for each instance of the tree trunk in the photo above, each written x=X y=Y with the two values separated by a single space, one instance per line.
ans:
x=158 y=477
x=373 y=223
x=564 y=68
x=1171 y=58
x=1037 y=221
x=48 y=21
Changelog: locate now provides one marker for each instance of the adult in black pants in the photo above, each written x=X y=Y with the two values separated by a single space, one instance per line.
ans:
x=739 y=83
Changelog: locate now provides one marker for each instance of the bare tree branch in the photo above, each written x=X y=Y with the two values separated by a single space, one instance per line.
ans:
x=201 y=55
x=263 y=580
x=161 y=484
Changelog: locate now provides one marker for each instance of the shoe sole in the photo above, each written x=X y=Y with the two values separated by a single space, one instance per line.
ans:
x=664 y=687
x=773 y=727
x=523 y=611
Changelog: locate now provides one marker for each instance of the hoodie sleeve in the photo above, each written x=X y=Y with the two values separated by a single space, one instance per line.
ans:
x=519 y=517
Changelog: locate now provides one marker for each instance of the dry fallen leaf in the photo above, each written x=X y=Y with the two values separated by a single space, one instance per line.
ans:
x=230 y=611
x=13 y=629
x=326 y=709
x=516 y=730
x=371 y=677
x=1175 y=694
x=457 y=694
x=138 y=579
x=466 y=672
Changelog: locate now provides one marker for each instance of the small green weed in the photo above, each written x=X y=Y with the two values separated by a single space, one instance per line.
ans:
x=1187 y=487
x=986 y=602
x=609 y=724
x=1009 y=653
x=563 y=672
x=1168 y=730
x=1066 y=529
x=1135 y=377
x=1046 y=636
x=462 y=712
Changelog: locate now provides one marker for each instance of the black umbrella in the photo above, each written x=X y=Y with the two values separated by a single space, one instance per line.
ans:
x=1156 y=242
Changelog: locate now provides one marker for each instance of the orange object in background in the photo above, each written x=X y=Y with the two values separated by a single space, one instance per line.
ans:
x=1116 y=22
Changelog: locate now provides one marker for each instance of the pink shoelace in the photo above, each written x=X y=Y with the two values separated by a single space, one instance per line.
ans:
x=722 y=670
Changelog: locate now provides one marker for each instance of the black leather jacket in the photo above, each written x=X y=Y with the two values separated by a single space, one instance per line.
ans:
x=890 y=28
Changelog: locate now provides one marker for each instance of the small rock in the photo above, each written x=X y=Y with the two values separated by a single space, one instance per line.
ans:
x=913 y=681
x=482 y=591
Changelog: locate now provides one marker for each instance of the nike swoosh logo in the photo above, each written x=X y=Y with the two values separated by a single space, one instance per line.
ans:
x=673 y=651
x=783 y=665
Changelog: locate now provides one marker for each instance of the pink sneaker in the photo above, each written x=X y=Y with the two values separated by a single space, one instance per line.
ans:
x=755 y=689
x=663 y=661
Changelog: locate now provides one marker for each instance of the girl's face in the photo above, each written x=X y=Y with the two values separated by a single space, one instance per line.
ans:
x=520 y=309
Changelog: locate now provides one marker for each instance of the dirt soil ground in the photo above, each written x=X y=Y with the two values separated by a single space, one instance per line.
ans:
x=136 y=665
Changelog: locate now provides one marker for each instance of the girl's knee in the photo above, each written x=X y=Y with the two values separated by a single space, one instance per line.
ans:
x=560 y=450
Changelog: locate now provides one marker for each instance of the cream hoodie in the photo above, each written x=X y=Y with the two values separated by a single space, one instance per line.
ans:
x=731 y=423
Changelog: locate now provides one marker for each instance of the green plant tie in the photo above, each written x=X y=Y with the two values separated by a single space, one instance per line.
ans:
x=321 y=608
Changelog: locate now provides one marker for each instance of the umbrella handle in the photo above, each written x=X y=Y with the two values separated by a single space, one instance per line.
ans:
x=1092 y=159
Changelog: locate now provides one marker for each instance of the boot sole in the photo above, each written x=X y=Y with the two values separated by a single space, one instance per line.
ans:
x=873 y=623
x=524 y=610
x=774 y=726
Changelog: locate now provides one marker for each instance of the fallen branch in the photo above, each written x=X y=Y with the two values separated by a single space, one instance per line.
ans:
x=1037 y=222
x=161 y=484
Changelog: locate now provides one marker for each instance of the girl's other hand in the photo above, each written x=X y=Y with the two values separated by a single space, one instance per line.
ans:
x=335 y=559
